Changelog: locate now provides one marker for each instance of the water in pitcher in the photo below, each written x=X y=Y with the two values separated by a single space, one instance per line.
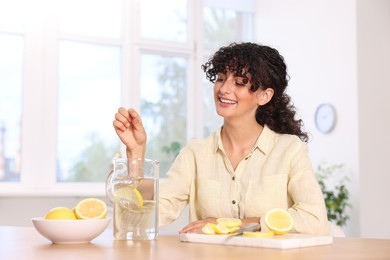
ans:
x=135 y=211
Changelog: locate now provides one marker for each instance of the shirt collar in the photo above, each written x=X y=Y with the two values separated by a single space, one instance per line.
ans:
x=218 y=140
x=264 y=142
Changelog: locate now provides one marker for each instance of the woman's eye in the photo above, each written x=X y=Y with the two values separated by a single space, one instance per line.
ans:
x=240 y=83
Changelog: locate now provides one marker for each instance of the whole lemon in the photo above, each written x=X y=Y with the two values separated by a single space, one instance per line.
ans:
x=61 y=213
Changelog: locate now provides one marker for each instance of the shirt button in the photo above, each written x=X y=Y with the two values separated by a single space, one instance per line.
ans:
x=233 y=202
x=233 y=178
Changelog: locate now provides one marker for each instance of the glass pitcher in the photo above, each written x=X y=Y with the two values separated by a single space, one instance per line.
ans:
x=132 y=187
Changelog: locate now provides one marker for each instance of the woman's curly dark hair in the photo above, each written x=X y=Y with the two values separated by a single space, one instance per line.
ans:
x=265 y=68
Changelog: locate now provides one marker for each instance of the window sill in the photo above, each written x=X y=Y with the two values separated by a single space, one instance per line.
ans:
x=58 y=190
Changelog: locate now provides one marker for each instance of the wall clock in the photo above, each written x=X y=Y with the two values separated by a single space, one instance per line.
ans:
x=325 y=118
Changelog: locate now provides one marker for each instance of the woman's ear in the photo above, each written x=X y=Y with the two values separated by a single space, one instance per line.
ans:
x=265 y=96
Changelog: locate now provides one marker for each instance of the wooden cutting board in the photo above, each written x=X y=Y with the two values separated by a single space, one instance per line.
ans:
x=282 y=241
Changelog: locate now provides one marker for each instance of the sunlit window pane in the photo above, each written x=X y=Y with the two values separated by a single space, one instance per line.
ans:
x=89 y=88
x=224 y=26
x=100 y=18
x=11 y=65
x=12 y=14
x=163 y=107
x=164 y=20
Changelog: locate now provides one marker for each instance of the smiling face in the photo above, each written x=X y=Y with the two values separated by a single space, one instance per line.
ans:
x=234 y=99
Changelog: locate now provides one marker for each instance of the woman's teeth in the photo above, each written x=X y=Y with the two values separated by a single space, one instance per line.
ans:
x=227 y=101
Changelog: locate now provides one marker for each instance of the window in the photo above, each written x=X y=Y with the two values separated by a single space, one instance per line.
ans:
x=163 y=107
x=222 y=25
x=67 y=65
x=88 y=85
x=11 y=66
x=164 y=20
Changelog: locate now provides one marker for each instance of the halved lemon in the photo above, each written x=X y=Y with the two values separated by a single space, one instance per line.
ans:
x=257 y=234
x=91 y=208
x=279 y=221
x=209 y=229
x=229 y=222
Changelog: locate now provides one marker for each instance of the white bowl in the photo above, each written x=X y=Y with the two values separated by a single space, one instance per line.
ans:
x=70 y=231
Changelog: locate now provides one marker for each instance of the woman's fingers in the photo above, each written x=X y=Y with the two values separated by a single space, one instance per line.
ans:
x=122 y=119
x=119 y=125
x=192 y=228
x=197 y=226
x=125 y=118
x=135 y=119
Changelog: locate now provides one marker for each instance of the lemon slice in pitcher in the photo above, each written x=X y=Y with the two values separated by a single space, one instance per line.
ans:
x=131 y=195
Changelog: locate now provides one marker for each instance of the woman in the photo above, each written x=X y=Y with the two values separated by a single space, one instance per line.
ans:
x=256 y=161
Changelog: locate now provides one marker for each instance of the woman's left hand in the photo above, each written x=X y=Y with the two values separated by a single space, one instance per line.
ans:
x=196 y=226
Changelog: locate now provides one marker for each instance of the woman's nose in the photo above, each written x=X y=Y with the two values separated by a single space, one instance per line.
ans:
x=227 y=85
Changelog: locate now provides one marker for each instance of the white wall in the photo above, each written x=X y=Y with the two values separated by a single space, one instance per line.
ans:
x=374 y=122
x=322 y=42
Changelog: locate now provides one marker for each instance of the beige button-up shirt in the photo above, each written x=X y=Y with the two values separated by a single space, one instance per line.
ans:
x=277 y=172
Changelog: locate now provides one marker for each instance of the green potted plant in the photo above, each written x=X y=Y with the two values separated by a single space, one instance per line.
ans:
x=333 y=182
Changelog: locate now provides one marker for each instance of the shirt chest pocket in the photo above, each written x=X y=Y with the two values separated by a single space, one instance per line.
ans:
x=270 y=192
x=208 y=196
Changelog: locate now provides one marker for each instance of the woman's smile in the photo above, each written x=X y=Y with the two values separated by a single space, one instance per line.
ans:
x=226 y=102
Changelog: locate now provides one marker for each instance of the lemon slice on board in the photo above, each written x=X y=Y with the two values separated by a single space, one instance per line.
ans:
x=229 y=222
x=91 y=208
x=220 y=228
x=279 y=221
x=233 y=229
x=209 y=229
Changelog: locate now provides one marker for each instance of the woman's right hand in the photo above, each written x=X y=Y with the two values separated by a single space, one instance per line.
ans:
x=129 y=128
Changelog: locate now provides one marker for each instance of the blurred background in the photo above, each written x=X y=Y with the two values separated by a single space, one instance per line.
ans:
x=66 y=66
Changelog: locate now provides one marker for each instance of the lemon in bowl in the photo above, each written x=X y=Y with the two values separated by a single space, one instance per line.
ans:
x=60 y=213
x=91 y=208
x=62 y=225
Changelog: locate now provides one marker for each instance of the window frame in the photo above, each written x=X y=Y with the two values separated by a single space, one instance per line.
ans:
x=39 y=112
